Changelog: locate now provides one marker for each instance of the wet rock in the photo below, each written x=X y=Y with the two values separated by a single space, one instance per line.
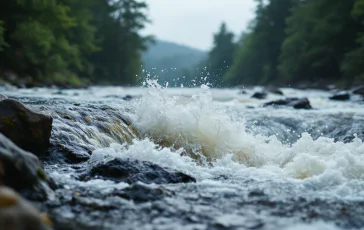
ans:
x=297 y=103
x=132 y=171
x=127 y=98
x=70 y=154
x=2 y=97
x=256 y=193
x=359 y=90
x=140 y=193
x=274 y=90
x=340 y=96
x=27 y=129
x=22 y=171
x=259 y=95
x=18 y=214
x=242 y=92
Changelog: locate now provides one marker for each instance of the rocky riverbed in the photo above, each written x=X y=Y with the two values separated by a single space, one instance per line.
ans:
x=157 y=158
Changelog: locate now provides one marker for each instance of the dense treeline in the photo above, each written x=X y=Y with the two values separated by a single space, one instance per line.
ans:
x=59 y=41
x=293 y=42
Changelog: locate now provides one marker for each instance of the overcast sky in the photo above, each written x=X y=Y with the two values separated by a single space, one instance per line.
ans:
x=193 y=22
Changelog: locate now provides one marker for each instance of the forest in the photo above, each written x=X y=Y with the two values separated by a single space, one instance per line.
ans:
x=292 y=42
x=73 y=42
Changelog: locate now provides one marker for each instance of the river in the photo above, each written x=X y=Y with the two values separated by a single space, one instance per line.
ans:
x=255 y=167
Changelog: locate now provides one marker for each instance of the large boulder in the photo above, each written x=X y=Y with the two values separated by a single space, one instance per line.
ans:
x=22 y=171
x=259 y=95
x=132 y=171
x=18 y=214
x=27 y=129
x=297 y=103
x=340 y=96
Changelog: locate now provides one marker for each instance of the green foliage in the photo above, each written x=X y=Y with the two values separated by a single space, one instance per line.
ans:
x=258 y=54
x=315 y=46
x=221 y=56
x=353 y=63
x=2 y=41
x=119 y=60
x=46 y=38
x=301 y=41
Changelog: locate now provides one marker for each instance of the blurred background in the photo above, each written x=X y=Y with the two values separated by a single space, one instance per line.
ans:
x=75 y=43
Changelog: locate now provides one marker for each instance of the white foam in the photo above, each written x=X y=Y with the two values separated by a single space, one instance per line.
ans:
x=320 y=225
x=203 y=127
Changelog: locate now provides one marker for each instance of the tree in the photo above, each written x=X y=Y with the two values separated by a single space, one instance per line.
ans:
x=257 y=58
x=57 y=40
x=353 y=63
x=44 y=37
x=221 y=56
x=119 y=60
x=316 y=45
x=2 y=41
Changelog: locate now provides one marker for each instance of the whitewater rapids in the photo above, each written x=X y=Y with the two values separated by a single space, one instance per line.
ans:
x=256 y=167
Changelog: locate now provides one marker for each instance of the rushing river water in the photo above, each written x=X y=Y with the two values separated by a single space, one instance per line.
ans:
x=255 y=167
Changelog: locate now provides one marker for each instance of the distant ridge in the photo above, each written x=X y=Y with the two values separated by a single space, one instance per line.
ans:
x=167 y=55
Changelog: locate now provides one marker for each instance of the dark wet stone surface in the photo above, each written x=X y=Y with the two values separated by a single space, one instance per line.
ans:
x=297 y=103
x=140 y=193
x=132 y=171
x=70 y=154
x=235 y=207
x=259 y=95
x=341 y=96
x=22 y=171
x=28 y=129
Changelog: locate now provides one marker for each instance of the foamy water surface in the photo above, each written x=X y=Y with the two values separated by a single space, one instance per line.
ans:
x=256 y=168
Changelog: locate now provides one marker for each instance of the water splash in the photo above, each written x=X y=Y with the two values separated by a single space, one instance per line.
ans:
x=209 y=132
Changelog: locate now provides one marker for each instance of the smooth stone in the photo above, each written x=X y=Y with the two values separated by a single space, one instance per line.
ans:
x=29 y=130
x=297 y=103
x=22 y=171
x=140 y=193
x=3 y=97
x=132 y=171
x=259 y=95
x=340 y=96
x=18 y=214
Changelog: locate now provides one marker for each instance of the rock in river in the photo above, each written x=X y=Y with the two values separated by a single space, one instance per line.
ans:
x=340 y=96
x=259 y=95
x=22 y=171
x=27 y=129
x=140 y=193
x=131 y=171
x=18 y=214
x=297 y=103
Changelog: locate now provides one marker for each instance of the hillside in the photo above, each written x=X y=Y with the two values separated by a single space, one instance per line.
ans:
x=169 y=60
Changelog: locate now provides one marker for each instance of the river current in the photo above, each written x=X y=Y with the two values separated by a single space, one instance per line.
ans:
x=255 y=167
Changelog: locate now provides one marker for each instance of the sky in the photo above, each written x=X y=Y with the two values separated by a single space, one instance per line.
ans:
x=193 y=22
